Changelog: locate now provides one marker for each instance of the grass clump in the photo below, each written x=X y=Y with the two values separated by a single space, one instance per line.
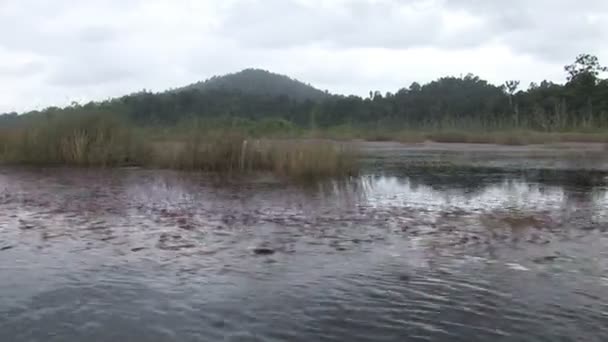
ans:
x=307 y=159
x=235 y=153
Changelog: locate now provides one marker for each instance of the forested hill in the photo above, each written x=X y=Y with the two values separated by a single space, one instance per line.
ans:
x=449 y=102
x=249 y=94
x=262 y=83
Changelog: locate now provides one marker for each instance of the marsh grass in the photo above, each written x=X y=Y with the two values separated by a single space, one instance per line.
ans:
x=105 y=140
x=458 y=135
x=280 y=129
x=91 y=140
x=235 y=153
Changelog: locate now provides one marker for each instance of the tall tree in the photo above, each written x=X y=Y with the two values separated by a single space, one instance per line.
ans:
x=585 y=65
x=511 y=87
x=583 y=77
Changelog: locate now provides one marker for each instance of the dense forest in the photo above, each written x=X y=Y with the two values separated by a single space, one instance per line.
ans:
x=449 y=102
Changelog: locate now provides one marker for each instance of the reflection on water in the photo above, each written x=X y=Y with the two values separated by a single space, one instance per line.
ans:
x=508 y=194
x=418 y=254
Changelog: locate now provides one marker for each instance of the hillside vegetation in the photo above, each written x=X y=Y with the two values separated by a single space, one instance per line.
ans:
x=465 y=108
x=259 y=83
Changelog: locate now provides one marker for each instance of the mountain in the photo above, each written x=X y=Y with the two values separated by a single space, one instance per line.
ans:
x=251 y=94
x=260 y=82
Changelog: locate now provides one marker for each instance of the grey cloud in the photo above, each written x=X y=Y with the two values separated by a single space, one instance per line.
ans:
x=98 y=34
x=80 y=44
x=283 y=23
x=22 y=69
x=548 y=29
x=101 y=63
x=552 y=30
x=91 y=72
x=53 y=28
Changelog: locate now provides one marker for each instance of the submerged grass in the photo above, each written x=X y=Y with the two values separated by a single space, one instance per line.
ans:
x=104 y=140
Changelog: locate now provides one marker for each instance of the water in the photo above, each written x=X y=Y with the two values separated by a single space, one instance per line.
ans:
x=508 y=247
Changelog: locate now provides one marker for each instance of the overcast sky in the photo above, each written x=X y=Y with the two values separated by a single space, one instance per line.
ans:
x=53 y=52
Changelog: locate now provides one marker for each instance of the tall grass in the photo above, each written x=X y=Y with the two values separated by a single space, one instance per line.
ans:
x=85 y=140
x=105 y=140
x=233 y=152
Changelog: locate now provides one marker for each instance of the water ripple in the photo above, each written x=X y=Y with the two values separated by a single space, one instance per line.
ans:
x=160 y=256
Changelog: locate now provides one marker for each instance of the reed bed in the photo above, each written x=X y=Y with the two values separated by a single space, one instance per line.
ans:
x=234 y=153
x=103 y=140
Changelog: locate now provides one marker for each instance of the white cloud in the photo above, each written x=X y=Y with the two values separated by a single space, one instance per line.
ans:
x=53 y=52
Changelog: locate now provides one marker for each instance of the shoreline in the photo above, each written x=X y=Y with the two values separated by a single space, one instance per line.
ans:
x=430 y=145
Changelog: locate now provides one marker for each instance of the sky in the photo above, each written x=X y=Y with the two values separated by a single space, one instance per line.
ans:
x=54 y=52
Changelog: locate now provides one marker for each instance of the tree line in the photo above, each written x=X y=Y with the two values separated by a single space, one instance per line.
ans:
x=449 y=102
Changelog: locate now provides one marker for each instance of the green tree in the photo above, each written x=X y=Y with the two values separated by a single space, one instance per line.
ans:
x=585 y=65
x=583 y=77
x=511 y=87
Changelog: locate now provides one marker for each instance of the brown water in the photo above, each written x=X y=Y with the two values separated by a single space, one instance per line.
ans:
x=503 y=248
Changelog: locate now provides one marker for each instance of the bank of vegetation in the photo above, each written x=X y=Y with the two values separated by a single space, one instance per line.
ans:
x=255 y=120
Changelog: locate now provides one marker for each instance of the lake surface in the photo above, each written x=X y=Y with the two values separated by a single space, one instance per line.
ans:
x=432 y=243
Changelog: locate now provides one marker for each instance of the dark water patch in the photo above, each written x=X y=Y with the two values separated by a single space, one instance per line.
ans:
x=546 y=259
x=263 y=251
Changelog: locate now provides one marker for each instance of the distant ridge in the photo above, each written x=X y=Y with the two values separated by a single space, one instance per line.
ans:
x=260 y=82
